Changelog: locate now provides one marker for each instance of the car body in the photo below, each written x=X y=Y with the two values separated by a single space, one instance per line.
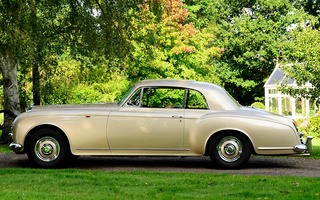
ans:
x=158 y=118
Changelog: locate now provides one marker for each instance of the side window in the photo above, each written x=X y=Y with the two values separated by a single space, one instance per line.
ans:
x=163 y=97
x=196 y=100
x=135 y=99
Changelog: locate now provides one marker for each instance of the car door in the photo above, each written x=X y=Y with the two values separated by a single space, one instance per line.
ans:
x=151 y=122
x=197 y=125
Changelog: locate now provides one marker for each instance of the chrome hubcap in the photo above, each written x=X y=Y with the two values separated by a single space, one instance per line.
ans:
x=229 y=149
x=47 y=149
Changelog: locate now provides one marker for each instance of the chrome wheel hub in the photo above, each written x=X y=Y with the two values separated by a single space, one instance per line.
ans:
x=229 y=149
x=47 y=149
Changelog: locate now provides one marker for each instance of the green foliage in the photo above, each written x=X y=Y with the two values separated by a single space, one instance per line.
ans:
x=92 y=51
x=310 y=126
x=258 y=105
x=168 y=47
x=303 y=51
x=4 y=148
x=69 y=81
x=251 y=34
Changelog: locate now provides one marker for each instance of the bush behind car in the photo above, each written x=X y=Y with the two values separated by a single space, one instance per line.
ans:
x=311 y=125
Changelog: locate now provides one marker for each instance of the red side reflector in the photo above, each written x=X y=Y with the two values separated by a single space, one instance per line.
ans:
x=87 y=116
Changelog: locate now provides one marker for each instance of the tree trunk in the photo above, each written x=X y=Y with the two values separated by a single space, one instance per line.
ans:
x=36 y=83
x=8 y=67
x=36 y=37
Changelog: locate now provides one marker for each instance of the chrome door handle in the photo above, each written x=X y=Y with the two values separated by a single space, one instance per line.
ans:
x=177 y=116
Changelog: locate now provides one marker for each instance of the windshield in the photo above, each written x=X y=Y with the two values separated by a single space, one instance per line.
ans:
x=125 y=96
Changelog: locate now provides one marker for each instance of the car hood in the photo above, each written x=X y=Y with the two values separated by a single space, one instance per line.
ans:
x=96 y=106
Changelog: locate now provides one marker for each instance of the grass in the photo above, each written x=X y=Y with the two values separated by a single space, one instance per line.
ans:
x=4 y=148
x=316 y=149
x=79 y=184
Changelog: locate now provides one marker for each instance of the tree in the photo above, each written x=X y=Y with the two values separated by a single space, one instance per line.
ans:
x=96 y=34
x=165 y=46
x=12 y=41
x=25 y=25
x=251 y=32
x=302 y=50
x=311 y=7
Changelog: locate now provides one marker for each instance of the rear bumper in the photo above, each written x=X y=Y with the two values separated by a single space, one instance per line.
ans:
x=304 y=149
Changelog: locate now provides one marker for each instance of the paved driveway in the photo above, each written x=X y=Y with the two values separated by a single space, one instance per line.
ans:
x=268 y=166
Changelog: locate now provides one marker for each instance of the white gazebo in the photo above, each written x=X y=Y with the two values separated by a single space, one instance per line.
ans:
x=284 y=104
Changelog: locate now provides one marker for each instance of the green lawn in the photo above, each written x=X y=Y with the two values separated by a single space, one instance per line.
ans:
x=4 y=148
x=80 y=184
x=316 y=148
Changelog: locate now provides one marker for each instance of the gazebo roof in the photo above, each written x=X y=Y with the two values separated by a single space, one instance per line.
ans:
x=278 y=77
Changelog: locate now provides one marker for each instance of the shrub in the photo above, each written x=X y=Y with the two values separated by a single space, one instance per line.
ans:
x=311 y=125
x=258 y=105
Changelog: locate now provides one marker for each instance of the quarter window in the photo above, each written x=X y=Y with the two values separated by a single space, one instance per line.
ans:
x=196 y=100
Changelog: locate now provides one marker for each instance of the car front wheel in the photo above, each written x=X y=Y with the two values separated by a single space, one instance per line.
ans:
x=47 y=148
x=230 y=150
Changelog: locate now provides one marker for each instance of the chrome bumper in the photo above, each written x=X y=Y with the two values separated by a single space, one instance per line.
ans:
x=304 y=149
x=14 y=146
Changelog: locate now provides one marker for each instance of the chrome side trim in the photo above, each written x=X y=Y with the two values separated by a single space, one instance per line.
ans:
x=133 y=149
x=92 y=149
x=275 y=148
x=136 y=149
x=299 y=155
x=305 y=149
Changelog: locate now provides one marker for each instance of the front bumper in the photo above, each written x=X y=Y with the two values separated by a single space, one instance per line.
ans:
x=14 y=146
x=304 y=149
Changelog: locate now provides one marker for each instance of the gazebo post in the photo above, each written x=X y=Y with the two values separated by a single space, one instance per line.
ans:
x=266 y=99
x=293 y=106
x=279 y=102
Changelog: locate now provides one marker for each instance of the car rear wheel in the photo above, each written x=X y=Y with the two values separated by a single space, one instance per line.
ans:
x=230 y=150
x=47 y=148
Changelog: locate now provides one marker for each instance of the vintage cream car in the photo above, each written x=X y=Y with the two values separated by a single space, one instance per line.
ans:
x=158 y=118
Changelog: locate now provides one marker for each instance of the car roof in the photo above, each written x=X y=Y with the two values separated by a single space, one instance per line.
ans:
x=216 y=96
x=175 y=83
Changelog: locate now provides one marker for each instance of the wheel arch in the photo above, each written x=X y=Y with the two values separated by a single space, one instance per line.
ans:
x=47 y=126
x=224 y=132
